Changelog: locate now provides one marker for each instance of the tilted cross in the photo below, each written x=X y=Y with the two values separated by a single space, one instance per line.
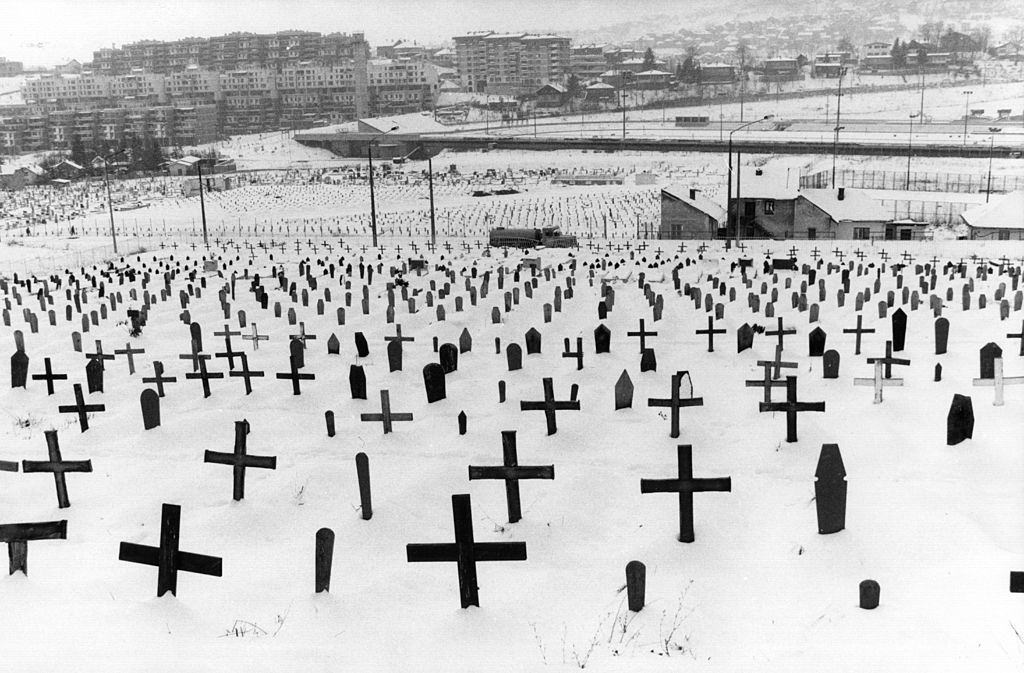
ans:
x=239 y=460
x=511 y=471
x=18 y=535
x=256 y=338
x=674 y=403
x=80 y=408
x=685 y=486
x=385 y=416
x=50 y=377
x=228 y=353
x=549 y=406
x=791 y=406
x=465 y=551
x=57 y=466
x=167 y=557
x=130 y=354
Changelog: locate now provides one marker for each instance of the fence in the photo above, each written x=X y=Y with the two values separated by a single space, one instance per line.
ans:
x=933 y=212
x=56 y=260
x=920 y=181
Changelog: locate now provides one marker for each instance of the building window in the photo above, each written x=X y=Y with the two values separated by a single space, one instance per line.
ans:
x=769 y=207
x=862 y=233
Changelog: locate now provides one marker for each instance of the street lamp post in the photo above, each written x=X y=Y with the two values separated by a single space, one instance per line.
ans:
x=910 y=142
x=835 y=140
x=967 y=103
x=373 y=199
x=993 y=130
x=110 y=201
x=728 y=197
x=430 y=181
x=202 y=202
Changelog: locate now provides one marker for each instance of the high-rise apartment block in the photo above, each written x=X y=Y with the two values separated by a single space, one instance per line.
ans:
x=511 y=63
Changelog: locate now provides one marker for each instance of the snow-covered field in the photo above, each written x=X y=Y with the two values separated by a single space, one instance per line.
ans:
x=938 y=526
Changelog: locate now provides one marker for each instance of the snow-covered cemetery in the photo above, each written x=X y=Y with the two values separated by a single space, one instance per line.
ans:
x=717 y=369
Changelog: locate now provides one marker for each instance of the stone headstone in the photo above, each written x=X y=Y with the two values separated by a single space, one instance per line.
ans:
x=602 y=339
x=988 y=354
x=362 y=348
x=357 y=382
x=333 y=345
x=94 y=375
x=623 y=392
x=941 y=335
x=449 y=357
x=433 y=381
x=19 y=369
x=830 y=364
x=465 y=341
x=394 y=356
x=514 y=356
x=744 y=337
x=532 y=341
x=960 y=420
x=899 y=329
x=830 y=490
x=816 y=342
x=648 y=361
x=869 y=594
x=150 y=402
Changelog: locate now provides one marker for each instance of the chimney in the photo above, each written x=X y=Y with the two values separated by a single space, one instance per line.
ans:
x=693 y=193
x=842 y=193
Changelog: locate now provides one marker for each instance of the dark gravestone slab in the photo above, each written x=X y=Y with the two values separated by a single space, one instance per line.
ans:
x=988 y=354
x=150 y=401
x=463 y=419
x=938 y=372
x=297 y=353
x=363 y=477
x=830 y=490
x=449 y=357
x=623 y=391
x=324 y=559
x=602 y=339
x=648 y=361
x=465 y=341
x=514 y=356
x=94 y=376
x=636 y=585
x=532 y=341
x=19 y=369
x=816 y=342
x=830 y=364
x=869 y=593
x=357 y=382
x=960 y=421
x=362 y=348
x=941 y=335
x=899 y=330
x=744 y=337
x=433 y=381
x=394 y=356
x=197 y=335
x=333 y=345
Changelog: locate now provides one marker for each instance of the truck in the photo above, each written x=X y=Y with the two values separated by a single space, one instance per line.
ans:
x=550 y=237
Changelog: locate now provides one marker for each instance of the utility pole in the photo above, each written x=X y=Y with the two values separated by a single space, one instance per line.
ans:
x=202 y=202
x=110 y=205
x=430 y=181
x=967 y=104
x=993 y=130
x=910 y=144
x=835 y=140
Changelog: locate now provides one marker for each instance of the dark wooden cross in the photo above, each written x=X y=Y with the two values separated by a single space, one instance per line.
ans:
x=50 y=377
x=792 y=252
x=100 y=355
x=711 y=332
x=256 y=338
x=295 y=376
x=674 y=403
x=398 y=335
x=159 y=379
x=57 y=466
x=18 y=535
x=195 y=356
x=511 y=471
x=302 y=336
x=791 y=407
x=578 y=353
x=228 y=353
x=549 y=406
x=777 y=365
x=702 y=248
x=767 y=383
x=643 y=336
x=907 y=257
x=204 y=375
x=681 y=248
x=167 y=558
x=1020 y=336
x=465 y=551
x=239 y=460
x=781 y=333
x=815 y=253
x=888 y=360
x=130 y=353
x=859 y=253
x=685 y=486
x=81 y=408
x=385 y=416
x=884 y=256
x=840 y=254
x=858 y=331
x=246 y=373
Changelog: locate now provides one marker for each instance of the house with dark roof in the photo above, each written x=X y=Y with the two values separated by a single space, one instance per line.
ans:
x=552 y=95
x=687 y=214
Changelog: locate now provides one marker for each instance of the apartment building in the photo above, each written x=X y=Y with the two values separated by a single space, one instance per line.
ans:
x=510 y=63
x=401 y=85
x=10 y=68
x=587 y=62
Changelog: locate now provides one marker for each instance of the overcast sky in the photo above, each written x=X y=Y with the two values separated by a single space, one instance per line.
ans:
x=45 y=32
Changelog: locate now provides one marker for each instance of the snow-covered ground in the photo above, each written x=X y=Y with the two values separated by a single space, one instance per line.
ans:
x=938 y=526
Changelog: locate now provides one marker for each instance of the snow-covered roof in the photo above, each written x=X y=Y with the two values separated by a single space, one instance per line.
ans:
x=557 y=87
x=855 y=206
x=778 y=184
x=1005 y=212
x=407 y=123
x=654 y=73
x=600 y=85
x=701 y=203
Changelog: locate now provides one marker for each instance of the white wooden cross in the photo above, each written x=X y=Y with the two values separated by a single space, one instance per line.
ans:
x=878 y=382
x=998 y=381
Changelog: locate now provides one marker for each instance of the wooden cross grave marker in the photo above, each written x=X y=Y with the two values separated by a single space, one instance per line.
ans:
x=204 y=375
x=99 y=355
x=159 y=379
x=246 y=373
x=398 y=335
x=858 y=331
x=130 y=354
x=58 y=466
x=643 y=336
x=239 y=460
x=888 y=360
x=685 y=486
x=49 y=376
x=777 y=364
x=295 y=376
x=386 y=417
x=1019 y=335
x=167 y=557
x=256 y=338
x=674 y=402
x=228 y=353
x=711 y=332
x=549 y=405
x=465 y=551
x=878 y=382
x=998 y=381
x=18 y=535
x=792 y=407
x=302 y=336
x=767 y=383
x=781 y=333
x=511 y=471
x=80 y=408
